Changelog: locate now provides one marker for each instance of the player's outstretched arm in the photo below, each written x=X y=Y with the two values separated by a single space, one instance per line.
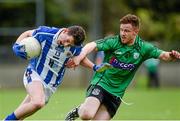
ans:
x=170 y=56
x=87 y=63
x=98 y=68
x=88 y=48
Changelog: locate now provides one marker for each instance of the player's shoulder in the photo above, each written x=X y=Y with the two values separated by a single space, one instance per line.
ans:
x=47 y=29
x=145 y=46
x=113 y=37
x=142 y=43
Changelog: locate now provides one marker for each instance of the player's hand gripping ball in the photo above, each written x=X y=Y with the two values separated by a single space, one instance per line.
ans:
x=28 y=48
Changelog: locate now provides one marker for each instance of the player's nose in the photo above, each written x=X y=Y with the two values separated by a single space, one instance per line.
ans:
x=66 y=44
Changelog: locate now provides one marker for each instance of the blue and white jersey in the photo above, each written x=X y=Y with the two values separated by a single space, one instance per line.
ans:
x=50 y=65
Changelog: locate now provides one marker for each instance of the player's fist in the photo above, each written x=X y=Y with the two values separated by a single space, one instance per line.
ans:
x=174 y=54
x=19 y=50
x=70 y=63
x=101 y=67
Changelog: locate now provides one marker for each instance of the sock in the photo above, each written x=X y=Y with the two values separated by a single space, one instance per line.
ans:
x=11 y=117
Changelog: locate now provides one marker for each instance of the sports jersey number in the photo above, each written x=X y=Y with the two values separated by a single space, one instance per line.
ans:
x=58 y=53
x=54 y=65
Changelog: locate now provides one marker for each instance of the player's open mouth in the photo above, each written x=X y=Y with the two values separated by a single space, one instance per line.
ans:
x=123 y=39
x=59 y=42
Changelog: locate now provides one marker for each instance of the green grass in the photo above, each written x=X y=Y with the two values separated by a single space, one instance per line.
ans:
x=147 y=104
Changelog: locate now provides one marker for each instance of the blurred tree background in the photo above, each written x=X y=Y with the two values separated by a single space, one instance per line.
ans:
x=160 y=19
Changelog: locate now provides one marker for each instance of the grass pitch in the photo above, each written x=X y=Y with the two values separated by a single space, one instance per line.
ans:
x=148 y=104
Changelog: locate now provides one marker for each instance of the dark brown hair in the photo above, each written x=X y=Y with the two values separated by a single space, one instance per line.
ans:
x=130 y=19
x=78 y=34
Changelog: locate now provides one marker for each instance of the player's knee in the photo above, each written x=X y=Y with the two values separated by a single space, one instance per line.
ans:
x=85 y=114
x=37 y=104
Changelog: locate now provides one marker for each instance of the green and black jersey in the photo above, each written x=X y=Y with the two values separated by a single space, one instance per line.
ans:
x=125 y=61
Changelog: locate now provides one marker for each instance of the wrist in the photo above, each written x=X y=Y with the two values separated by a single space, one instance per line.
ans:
x=19 y=51
x=94 y=67
x=15 y=46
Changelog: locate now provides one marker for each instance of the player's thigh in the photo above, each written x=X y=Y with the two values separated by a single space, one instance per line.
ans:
x=90 y=105
x=35 y=90
x=102 y=114
x=33 y=84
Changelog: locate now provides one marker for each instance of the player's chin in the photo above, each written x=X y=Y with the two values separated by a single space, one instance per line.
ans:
x=123 y=41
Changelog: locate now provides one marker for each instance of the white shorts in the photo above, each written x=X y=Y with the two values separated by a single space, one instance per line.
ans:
x=31 y=75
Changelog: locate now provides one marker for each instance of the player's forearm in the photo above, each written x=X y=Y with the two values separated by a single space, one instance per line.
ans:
x=24 y=35
x=88 y=48
x=87 y=63
x=85 y=51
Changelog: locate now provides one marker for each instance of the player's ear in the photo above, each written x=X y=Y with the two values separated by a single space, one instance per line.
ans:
x=65 y=30
x=136 y=30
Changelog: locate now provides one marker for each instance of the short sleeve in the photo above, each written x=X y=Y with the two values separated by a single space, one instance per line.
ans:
x=106 y=43
x=43 y=30
x=152 y=51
